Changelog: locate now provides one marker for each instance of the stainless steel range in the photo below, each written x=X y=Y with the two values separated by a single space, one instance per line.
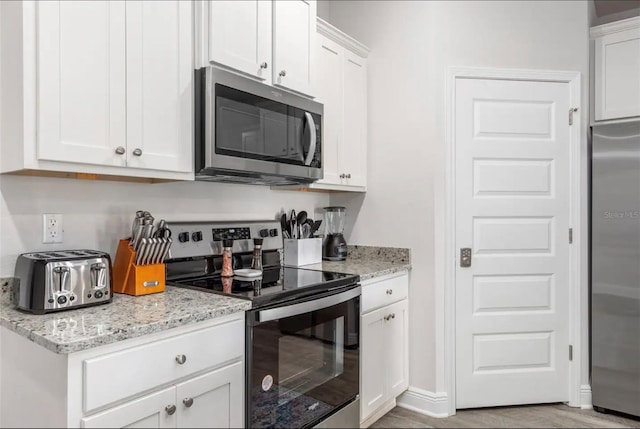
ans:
x=302 y=333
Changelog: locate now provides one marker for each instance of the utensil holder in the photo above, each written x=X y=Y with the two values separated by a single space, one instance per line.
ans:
x=132 y=279
x=304 y=251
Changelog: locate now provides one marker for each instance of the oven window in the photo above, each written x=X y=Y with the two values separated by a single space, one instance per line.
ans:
x=304 y=367
x=248 y=126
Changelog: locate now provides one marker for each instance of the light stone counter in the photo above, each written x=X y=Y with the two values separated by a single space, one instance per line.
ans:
x=125 y=317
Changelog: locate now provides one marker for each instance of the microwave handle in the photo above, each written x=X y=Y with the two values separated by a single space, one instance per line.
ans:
x=307 y=306
x=312 y=138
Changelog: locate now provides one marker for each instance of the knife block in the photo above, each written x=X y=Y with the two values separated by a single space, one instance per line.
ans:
x=132 y=279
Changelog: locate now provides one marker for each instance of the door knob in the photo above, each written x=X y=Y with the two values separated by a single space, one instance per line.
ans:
x=120 y=150
x=264 y=65
x=170 y=409
x=283 y=73
x=188 y=402
x=137 y=152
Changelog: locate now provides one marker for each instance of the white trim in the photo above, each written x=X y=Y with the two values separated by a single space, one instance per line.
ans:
x=331 y=32
x=586 y=402
x=614 y=27
x=379 y=413
x=445 y=309
x=425 y=402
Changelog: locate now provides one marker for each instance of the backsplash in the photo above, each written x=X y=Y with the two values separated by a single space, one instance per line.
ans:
x=97 y=213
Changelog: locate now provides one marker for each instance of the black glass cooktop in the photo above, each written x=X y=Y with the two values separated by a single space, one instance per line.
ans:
x=278 y=284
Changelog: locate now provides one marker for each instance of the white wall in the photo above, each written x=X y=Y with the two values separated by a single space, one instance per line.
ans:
x=412 y=45
x=98 y=213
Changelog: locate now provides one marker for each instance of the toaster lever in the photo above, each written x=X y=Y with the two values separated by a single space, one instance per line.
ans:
x=98 y=274
x=63 y=276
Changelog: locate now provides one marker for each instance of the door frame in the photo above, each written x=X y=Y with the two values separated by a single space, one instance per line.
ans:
x=579 y=395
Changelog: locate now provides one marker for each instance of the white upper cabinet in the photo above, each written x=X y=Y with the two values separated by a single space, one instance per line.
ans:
x=81 y=114
x=294 y=32
x=106 y=88
x=341 y=86
x=160 y=85
x=617 y=69
x=240 y=36
x=273 y=41
x=353 y=147
x=329 y=89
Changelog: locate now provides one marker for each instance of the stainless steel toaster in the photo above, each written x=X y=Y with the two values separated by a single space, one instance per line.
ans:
x=60 y=280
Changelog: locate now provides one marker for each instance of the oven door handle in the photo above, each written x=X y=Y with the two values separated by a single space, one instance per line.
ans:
x=307 y=306
x=312 y=138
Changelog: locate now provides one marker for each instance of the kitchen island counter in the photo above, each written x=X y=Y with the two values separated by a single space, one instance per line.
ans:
x=369 y=262
x=125 y=317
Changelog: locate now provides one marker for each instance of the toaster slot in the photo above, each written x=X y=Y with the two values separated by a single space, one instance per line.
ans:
x=98 y=275
x=62 y=274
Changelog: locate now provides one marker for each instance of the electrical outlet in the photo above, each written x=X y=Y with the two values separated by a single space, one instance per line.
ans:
x=52 y=228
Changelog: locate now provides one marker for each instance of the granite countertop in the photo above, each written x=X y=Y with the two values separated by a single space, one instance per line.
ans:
x=369 y=262
x=125 y=317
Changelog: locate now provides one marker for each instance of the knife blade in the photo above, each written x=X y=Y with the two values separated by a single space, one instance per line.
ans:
x=142 y=247
x=155 y=259
x=165 y=251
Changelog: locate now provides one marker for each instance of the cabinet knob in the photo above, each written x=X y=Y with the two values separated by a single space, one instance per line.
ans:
x=181 y=359
x=120 y=150
x=264 y=65
x=137 y=152
x=389 y=291
x=348 y=175
x=393 y=315
x=283 y=73
x=170 y=409
x=342 y=176
x=188 y=402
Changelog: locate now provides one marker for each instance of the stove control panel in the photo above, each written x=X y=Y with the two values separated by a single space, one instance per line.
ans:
x=196 y=239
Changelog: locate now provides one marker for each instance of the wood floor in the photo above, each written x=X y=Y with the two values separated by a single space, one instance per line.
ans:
x=530 y=416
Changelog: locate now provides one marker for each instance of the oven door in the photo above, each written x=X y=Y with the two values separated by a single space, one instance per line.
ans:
x=303 y=360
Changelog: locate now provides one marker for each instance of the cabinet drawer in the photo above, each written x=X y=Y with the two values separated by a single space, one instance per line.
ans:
x=384 y=292
x=118 y=375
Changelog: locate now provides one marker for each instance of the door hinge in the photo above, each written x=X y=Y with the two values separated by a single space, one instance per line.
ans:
x=570 y=235
x=570 y=352
x=572 y=110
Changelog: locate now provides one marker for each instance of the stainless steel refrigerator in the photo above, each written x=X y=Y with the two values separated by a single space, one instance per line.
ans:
x=615 y=267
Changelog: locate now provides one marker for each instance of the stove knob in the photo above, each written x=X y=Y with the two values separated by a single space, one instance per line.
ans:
x=273 y=232
x=264 y=233
x=197 y=236
x=183 y=237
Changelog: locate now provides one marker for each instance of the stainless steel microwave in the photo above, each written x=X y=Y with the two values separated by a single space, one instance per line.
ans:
x=249 y=132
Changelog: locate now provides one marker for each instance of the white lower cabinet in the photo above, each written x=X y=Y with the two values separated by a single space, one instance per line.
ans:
x=209 y=400
x=186 y=377
x=384 y=364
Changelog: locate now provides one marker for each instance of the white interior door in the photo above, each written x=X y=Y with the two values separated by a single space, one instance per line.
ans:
x=512 y=211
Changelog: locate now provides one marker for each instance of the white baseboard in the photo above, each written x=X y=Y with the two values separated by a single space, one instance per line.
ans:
x=425 y=402
x=586 y=402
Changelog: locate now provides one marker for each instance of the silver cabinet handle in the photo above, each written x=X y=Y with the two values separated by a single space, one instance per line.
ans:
x=393 y=315
x=264 y=65
x=348 y=175
x=342 y=176
x=137 y=152
x=390 y=316
x=170 y=409
x=389 y=291
x=120 y=150
x=188 y=402
x=282 y=73
x=181 y=359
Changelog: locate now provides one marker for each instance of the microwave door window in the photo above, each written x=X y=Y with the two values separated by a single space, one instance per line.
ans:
x=241 y=132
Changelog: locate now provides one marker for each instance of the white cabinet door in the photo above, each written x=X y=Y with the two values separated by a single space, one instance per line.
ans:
x=160 y=85
x=329 y=89
x=353 y=154
x=212 y=400
x=240 y=35
x=617 y=82
x=294 y=32
x=397 y=346
x=373 y=362
x=146 y=412
x=81 y=97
